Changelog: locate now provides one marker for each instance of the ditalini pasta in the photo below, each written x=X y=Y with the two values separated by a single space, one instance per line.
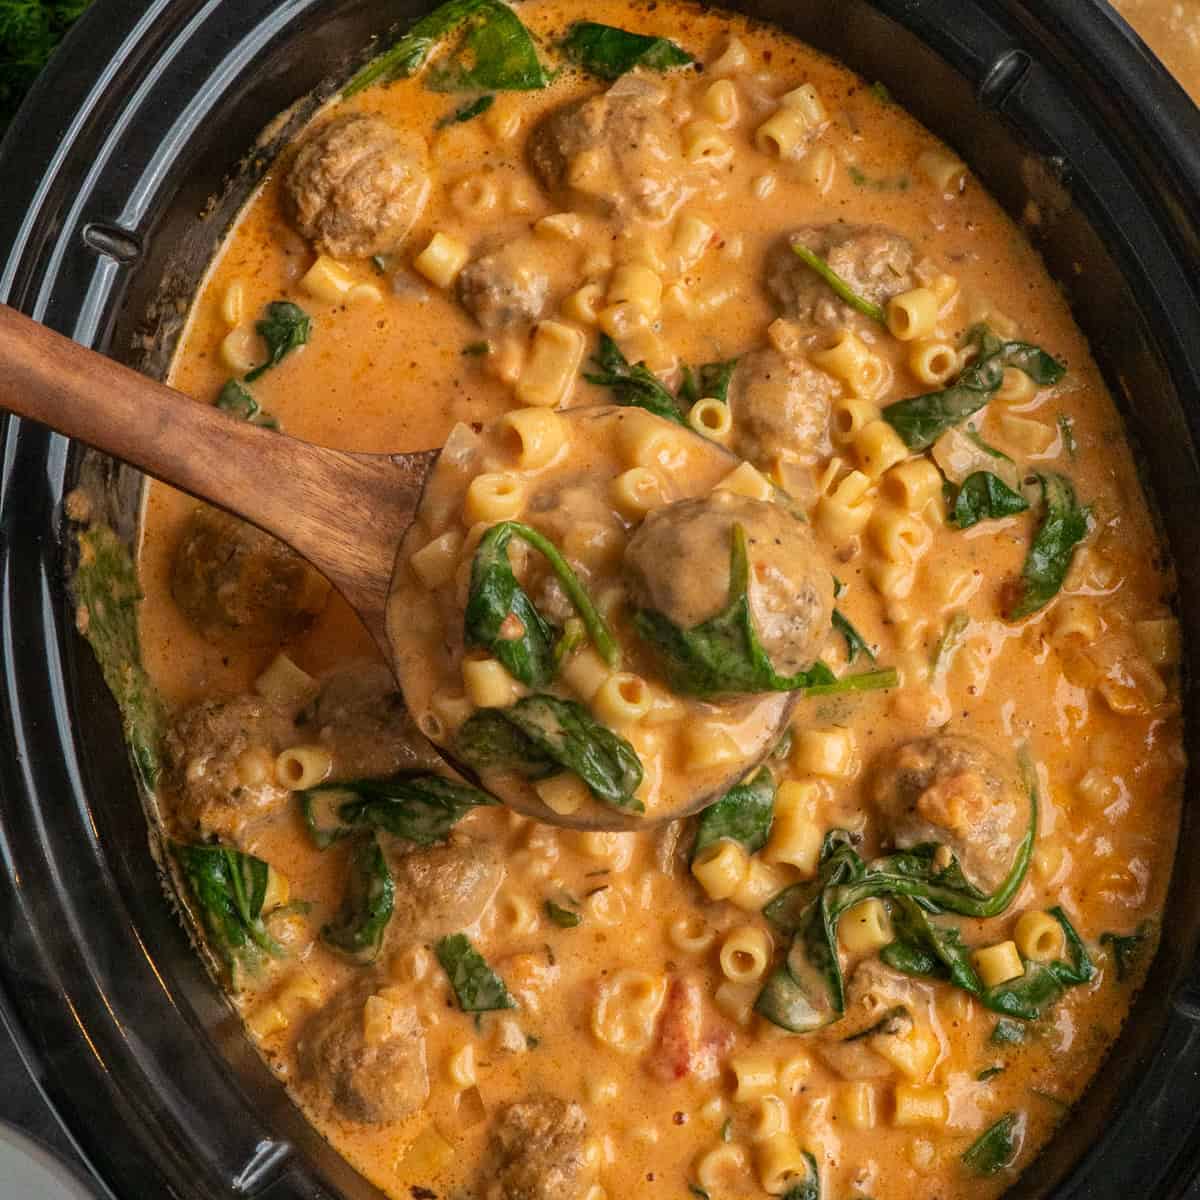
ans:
x=747 y=486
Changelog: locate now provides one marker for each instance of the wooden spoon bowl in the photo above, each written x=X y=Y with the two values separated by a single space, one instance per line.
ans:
x=345 y=513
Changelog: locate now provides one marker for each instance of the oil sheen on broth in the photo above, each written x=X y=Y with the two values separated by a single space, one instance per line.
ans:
x=618 y=1051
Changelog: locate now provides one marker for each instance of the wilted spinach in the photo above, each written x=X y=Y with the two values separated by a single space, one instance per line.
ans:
x=855 y=643
x=632 y=386
x=840 y=288
x=285 y=328
x=238 y=402
x=467 y=112
x=418 y=806
x=1064 y=525
x=358 y=928
x=476 y=986
x=997 y=1146
x=608 y=52
x=563 y=917
x=555 y=733
x=723 y=655
x=229 y=889
x=809 y=1188
x=921 y=420
x=708 y=380
x=744 y=814
x=1126 y=949
x=982 y=497
x=501 y=618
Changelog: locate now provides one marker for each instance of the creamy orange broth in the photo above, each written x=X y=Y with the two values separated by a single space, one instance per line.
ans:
x=1100 y=721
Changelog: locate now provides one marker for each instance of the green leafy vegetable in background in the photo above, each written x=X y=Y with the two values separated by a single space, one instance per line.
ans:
x=996 y=1147
x=29 y=32
x=546 y=734
x=467 y=112
x=501 y=618
x=229 y=889
x=921 y=420
x=723 y=655
x=608 y=52
x=418 y=806
x=1064 y=525
x=855 y=643
x=106 y=591
x=238 y=402
x=285 y=328
x=982 y=497
x=709 y=380
x=358 y=928
x=1007 y=1032
x=840 y=288
x=564 y=918
x=496 y=53
x=1126 y=949
x=476 y=986
x=744 y=814
x=632 y=386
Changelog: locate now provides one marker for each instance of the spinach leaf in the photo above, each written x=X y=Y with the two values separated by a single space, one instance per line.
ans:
x=921 y=420
x=989 y=1073
x=488 y=742
x=927 y=949
x=106 y=593
x=696 y=1190
x=501 y=617
x=1126 y=949
x=1066 y=430
x=542 y=734
x=743 y=814
x=896 y=1021
x=572 y=638
x=285 y=328
x=956 y=626
x=1064 y=525
x=723 y=655
x=564 y=918
x=1042 y=984
x=855 y=643
x=997 y=1146
x=984 y=496
x=229 y=888
x=476 y=986
x=467 y=112
x=418 y=806
x=840 y=288
x=358 y=928
x=608 y=52
x=1007 y=1032
x=238 y=402
x=709 y=380
x=496 y=53
x=809 y=1188
x=632 y=386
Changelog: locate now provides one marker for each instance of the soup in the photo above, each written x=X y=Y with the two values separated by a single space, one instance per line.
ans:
x=888 y=961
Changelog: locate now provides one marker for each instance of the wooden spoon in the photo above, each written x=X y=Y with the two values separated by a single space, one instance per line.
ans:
x=345 y=513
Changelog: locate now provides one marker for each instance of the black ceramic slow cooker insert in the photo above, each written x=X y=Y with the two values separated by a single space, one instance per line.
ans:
x=151 y=108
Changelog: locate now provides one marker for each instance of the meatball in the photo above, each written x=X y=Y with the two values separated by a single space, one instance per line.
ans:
x=220 y=759
x=955 y=791
x=441 y=889
x=874 y=261
x=364 y=1056
x=359 y=715
x=505 y=288
x=780 y=408
x=617 y=152
x=536 y=1151
x=355 y=187
x=677 y=563
x=236 y=583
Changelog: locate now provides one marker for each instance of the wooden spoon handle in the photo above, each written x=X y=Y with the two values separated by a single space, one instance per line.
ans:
x=344 y=512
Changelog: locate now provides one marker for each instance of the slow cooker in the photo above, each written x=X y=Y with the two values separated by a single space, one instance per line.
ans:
x=121 y=174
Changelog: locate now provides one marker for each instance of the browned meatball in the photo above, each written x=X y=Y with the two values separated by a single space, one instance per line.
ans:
x=355 y=188
x=955 y=791
x=874 y=261
x=677 y=563
x=441 y=889
x=536 y=1151
x=364 y=1056
x=780 y=408
x=615 y=152
x=359 y=715
x=238 y=584
x=506 y=288
x=220 y=759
